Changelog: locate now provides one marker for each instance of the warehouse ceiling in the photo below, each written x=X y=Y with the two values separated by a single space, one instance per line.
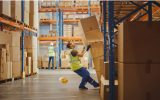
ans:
x=122 y=8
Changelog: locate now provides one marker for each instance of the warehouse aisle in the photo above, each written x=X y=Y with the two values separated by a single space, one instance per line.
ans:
x=46 y=86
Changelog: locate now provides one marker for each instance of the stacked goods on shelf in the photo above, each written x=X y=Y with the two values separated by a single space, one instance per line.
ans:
x=67 y=30
x=5 y=64
x=15 y=54
x=33 y=14
x=138 y=61
x=5 y=7
x=76 y=31
x=39 y=61
x=12 y=42
x=27 y=67
x=26 y=12
x=15 y=10
x=45 y=60
x=44 y=55
x=31 y=49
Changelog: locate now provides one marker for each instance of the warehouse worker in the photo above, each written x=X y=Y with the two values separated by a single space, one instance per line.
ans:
x=51 y=53
x=78 y=69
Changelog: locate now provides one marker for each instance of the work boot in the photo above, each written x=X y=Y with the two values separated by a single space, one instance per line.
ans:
x=96 y=85
x=83 y=88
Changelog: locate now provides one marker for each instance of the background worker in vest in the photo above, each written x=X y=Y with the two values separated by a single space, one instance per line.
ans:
x=78 y=69
x=51 y=54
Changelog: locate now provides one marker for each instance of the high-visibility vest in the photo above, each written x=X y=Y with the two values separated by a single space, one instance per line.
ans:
x=75 y=63
x=51 y=51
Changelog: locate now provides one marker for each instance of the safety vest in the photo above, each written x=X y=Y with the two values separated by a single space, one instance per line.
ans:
x=51 y=51
x=75 y=63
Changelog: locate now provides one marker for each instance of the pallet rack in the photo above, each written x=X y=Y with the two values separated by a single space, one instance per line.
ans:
x=11 y=24
x=60 y=21
x=114 y=16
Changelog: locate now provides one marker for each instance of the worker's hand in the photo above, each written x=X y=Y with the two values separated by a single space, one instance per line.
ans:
x=88 y=47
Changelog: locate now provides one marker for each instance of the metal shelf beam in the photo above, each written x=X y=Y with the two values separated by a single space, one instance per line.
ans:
x=16 y=25
x=54 y=38
x=70 y=9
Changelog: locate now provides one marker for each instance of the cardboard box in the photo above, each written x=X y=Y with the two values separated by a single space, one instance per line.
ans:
x=6 y=46
x=9 y=71
x=35 y=60
x=98 y=73
x=16 y=39
x=3 y=54
x=97 y=65
x=90 y=30
x=27 y=5
x=4 y=71
x=3 y=64
x=89 y=24
x=138 y=81
x=104 y=89
x=5 y=7
x=139 y=44
x=104 y=68
x=5 y=38
x=16 y=69
x=97 y=49
x=29 y=64
x=27 y=42
x=15 y=53
x=32 y=7
x=26 y=17
x=15 y=9
x=39 y=63
x=31 y=19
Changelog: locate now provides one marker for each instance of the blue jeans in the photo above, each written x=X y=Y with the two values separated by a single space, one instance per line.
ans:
x=85 y=77
x=51 y=58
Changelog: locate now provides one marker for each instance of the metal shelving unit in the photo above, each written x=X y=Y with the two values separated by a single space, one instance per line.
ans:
x=114 y=17
x=59 y=10
x=14 y=25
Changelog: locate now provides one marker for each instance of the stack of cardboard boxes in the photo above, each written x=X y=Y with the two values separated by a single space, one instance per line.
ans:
x=15 y=53
x=5 y=7
x=31 y=49
x=5 y=64
x=10 y=41
x=33 y=14
x=15 y=10
x=138 y=62
x=26 y=12
x=92 y=35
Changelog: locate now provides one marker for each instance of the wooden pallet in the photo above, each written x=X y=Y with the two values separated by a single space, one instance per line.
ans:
x=6 y=80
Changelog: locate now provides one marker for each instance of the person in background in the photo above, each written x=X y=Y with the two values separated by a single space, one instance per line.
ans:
x=51 y=54
x=78 y=68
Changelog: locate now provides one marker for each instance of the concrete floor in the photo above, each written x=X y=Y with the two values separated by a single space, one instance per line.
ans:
x=45 y=86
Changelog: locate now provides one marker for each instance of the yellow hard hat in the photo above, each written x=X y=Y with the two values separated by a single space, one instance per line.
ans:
x=63 y=80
